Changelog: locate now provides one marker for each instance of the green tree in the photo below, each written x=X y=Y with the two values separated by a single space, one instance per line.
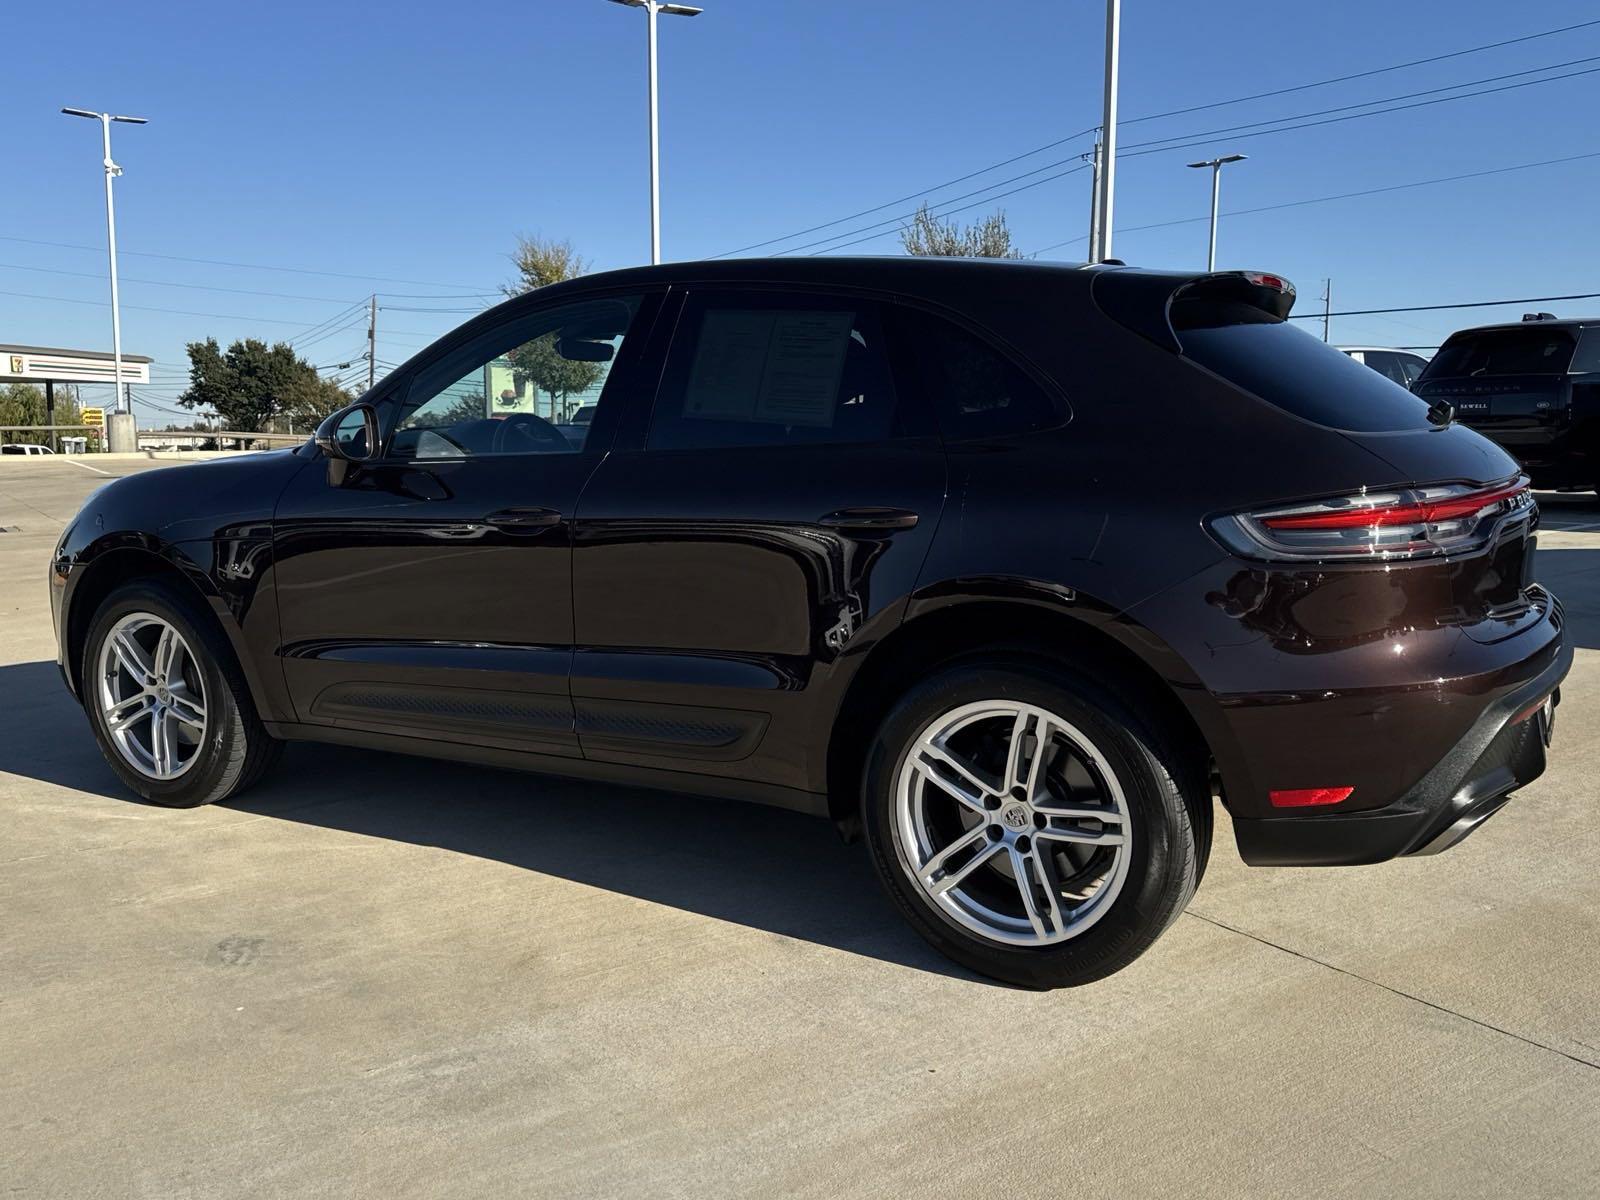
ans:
x=930 y=235
x=540 y=262
x=23 y=404
x=542 y=364
x=252 y=384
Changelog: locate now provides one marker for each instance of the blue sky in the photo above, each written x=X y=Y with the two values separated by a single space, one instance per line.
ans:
x=414 y=142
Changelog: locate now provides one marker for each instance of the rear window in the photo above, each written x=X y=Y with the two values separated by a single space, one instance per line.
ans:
x=1525 y=351
x=1587 y=359
x=1291 y=369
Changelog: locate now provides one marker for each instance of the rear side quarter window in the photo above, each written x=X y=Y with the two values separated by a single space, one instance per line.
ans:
x=975 y=391
x=1586 y=359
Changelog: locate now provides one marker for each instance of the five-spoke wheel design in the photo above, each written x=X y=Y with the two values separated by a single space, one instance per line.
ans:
x=151 y=695
x=1013 y=823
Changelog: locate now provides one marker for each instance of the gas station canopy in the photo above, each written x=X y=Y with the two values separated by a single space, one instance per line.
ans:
x=38 y=364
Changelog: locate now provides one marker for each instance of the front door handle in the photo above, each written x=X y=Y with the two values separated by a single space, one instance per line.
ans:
x=524 y=518
x=870 y=519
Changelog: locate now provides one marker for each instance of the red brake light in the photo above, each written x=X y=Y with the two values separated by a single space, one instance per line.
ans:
x=1308 y=797
x=1262 y=279
x=1399 y=523
x=1426 y=512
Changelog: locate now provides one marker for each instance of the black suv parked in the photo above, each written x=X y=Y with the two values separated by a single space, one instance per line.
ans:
x=1007 y=566
x=1533 y=387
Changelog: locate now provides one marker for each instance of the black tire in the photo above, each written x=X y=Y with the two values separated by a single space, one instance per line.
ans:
x=236 y=749
x=1165 y=789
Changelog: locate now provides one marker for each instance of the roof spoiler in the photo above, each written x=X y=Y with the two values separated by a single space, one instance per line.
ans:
x=1143 y=300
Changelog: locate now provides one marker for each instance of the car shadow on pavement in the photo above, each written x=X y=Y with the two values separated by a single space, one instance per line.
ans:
x=751 y=865
x=1574 y=576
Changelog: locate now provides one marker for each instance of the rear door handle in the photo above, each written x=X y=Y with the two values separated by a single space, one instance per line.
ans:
x=524 y=518
x=870 y=518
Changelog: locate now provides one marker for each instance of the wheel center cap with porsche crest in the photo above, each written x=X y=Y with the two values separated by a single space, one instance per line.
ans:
x=1015 y=816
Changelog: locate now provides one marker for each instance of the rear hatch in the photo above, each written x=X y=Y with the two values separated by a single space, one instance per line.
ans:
x=1235 y=325
x=1511 y=382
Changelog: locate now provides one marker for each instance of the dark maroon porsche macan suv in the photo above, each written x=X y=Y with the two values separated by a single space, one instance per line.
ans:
x=1010 y=568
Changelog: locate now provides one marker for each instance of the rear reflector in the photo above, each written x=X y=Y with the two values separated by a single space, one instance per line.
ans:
x=1308 y=797
x=1530 y=710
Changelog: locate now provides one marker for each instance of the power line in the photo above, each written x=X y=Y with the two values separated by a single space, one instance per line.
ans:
x=943 y=211
x=1237 y=130
x=914 y=195
x=1416 y=62
x=315 y=331
x=1165 y=148
x=305 y=343
x=950 y=211
x=469 y=289
x=1393 y=187
x=181 y=312
x=200 y=287
x=1372 y=312
x=1171 y=113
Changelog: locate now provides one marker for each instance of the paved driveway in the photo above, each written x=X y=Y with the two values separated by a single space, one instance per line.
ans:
x=397 y=977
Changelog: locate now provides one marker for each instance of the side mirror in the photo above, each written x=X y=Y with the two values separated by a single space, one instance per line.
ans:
x=348 y=436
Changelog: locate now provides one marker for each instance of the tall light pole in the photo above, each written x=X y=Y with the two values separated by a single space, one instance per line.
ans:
x=651 y=8
x=1216 y=187
x=1108 y=132
x=112 y=171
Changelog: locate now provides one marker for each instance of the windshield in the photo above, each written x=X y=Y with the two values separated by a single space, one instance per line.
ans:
x=1293 y=370
x=1523 y=351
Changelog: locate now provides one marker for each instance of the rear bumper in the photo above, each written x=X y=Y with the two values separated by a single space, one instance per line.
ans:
x=1465 y=787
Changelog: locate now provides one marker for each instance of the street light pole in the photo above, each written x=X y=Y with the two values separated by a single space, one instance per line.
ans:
x=1108 y=132
x=112 y=171
x=1216 y=189
x=652 y=7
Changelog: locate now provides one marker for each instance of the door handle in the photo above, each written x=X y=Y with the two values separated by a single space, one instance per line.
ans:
x=870 y=518
x=524 y=518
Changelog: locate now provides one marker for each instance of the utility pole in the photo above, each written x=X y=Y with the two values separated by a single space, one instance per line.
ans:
x=1094 y=201
x=120 y=402
x=372 y=342
x=652 y=7
x=1108 y=132
x=1327 y=305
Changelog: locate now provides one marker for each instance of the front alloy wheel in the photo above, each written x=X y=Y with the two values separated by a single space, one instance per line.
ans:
x=166 y=698
x=151 y=696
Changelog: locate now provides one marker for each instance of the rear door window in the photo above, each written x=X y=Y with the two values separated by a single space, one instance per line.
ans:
x=1288 y=367
x=1528 y=350
x=771 y=369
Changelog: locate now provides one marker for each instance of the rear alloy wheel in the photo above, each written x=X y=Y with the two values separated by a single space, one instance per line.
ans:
x=1029 y=827
x=166 y=698
x=1013 y=823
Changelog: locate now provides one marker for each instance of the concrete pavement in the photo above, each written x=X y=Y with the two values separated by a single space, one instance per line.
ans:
x=375 y=976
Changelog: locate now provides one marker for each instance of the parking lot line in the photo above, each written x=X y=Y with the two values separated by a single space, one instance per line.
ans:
x=85 y=466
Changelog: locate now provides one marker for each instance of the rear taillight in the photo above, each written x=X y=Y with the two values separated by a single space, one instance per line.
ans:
x=1396 y=523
